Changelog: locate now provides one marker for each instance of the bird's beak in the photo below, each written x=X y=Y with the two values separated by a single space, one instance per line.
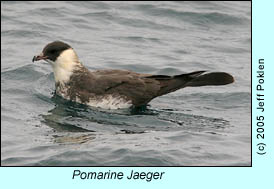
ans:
x=39 y=57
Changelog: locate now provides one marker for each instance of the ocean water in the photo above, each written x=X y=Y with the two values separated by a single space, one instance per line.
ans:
x=203 y=126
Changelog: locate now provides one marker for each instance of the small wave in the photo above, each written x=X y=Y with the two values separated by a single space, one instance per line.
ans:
x=169 y=71
x=138 y=39
x=194 y=17
x=24 y=73
x=22 y=33
x=141 y=68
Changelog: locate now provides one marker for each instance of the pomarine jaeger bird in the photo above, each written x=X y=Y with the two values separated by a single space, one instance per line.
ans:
x=115 y=89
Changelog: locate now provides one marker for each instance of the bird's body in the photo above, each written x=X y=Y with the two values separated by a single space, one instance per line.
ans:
x=115 y=89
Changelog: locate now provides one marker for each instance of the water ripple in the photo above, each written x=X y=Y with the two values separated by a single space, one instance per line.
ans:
x=192 y=126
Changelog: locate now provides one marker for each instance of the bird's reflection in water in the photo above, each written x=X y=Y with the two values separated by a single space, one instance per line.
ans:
x=65 y=130
x=74 y=138
x=77 y=123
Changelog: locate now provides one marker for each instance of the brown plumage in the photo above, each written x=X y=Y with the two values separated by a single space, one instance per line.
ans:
x=75 y=82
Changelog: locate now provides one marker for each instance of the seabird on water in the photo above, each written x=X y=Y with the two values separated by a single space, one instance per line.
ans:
x=115 y=89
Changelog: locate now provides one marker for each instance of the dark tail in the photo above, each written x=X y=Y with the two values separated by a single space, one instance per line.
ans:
x=214 y=78
x=194 y=79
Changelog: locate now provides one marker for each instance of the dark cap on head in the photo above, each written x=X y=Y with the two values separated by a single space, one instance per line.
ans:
x=52 y=50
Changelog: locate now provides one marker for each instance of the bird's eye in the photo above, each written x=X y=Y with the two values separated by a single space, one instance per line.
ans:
x=52 y=51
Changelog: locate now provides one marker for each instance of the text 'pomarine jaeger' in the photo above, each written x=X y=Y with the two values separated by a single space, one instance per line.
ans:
x=115 y=89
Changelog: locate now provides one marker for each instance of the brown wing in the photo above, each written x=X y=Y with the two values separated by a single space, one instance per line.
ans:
x=169 y=84
x=140 y=88
x=136 y=87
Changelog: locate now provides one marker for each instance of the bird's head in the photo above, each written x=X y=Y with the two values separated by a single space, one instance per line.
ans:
x=62 y=57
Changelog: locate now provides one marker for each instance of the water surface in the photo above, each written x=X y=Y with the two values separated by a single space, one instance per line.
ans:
x=208 y=126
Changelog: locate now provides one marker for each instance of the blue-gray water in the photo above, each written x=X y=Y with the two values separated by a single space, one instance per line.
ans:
x=193 y=126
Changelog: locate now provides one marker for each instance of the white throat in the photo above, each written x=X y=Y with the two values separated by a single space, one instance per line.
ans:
x=64 y=65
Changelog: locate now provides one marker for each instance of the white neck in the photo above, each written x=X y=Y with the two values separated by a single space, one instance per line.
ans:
x=64 y=65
